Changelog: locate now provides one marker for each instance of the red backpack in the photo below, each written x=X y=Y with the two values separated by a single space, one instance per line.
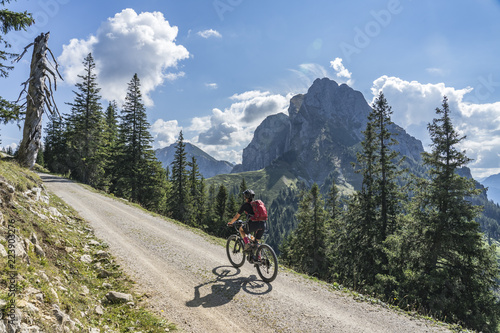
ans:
x=259 y=211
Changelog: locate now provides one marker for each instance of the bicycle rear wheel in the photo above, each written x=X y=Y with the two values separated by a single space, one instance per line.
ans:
x=267 y=265
x=234 y=250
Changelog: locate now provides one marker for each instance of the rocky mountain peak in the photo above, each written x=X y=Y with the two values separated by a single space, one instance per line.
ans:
x=319 y=135
x=328 y=104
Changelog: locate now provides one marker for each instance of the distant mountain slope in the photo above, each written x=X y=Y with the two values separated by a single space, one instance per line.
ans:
x=493 y=185
x=208 y=165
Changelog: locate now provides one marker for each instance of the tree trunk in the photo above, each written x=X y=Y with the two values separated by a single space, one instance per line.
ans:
x=36 y=99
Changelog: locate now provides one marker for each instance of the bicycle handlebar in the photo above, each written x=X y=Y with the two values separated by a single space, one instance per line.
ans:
x=237 y=224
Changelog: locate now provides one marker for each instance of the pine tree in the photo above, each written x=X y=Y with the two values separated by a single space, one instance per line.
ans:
x=179 y=200
x=196 y=193
x=374 y=210
x=220 y=204
x=140 y=176
x=210 y=217
x=333 y=202
x=220 y=212
x=110 y=142
x=153 y=187
x=449 y=269
x=55 y=146
x=231 y=205
x=334 y=226
x=243 y=188
x=357 y=261
x=85 y=128
x=388 y=192
x=305 y=249
x=40 y=160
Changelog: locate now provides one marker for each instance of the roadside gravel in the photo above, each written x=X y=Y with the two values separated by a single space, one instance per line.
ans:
x=190 y=282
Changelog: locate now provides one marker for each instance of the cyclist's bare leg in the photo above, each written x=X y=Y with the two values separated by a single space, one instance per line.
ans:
x=242 y=233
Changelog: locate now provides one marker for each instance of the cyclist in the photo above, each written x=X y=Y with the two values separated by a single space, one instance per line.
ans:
x=251 y=226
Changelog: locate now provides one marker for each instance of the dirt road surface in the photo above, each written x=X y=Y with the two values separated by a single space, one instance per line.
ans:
x=192 y=284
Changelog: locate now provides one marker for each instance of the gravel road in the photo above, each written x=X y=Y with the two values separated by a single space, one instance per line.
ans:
x=192 y=284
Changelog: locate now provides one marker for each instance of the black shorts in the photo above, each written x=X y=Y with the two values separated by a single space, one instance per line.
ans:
x=258 y=226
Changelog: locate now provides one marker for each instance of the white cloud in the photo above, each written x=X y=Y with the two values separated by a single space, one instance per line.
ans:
x=303 y=77
x=249 y=95
x=126 y=44
x=72 y=57
x=226 y=132
x=211 y=85
x=165 y=132
x=209 y=33
x=174 y=76
x=414 y=104
x=199 y=124
x=13 y=146
x=311 y=71
x=435 y=71
x=341 y=71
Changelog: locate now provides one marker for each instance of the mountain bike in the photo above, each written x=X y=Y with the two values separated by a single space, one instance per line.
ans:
x=262 y=256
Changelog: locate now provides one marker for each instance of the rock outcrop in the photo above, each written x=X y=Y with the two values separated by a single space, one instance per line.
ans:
x=273 y=141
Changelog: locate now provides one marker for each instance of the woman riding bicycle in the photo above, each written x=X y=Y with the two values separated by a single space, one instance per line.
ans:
x=257 y=226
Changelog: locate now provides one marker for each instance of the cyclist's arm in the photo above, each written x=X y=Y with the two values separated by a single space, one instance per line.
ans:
x=236 y=217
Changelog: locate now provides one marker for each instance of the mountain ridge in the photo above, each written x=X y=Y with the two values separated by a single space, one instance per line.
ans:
x=207 y=164
x=493 y=184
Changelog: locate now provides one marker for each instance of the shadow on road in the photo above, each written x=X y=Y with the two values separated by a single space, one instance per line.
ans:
x=53 y=179
x=225 y=286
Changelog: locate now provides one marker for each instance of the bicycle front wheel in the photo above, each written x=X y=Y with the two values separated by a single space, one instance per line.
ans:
x=234 y=250
x=267 y=265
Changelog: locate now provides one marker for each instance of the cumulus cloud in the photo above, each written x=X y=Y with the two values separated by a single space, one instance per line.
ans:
x=226 y=132
x=126 y=44
x=341 y=71
x=220 y=132
x=165 y=132
x=209 y=33
x=414 y=104
x=72 y=57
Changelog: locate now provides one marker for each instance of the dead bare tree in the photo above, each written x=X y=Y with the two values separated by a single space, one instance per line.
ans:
x=39 y=97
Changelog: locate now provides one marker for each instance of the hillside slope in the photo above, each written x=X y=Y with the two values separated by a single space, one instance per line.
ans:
x=58 y=276
x=187 y=277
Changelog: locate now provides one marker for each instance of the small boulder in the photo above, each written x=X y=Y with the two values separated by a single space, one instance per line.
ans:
x=117 y=297
x=86 y=258
x=39 y=251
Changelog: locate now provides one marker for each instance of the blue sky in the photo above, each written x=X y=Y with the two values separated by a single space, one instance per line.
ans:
x=216 y=68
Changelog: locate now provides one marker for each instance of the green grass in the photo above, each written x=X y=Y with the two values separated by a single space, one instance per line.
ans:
x=65 y=239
